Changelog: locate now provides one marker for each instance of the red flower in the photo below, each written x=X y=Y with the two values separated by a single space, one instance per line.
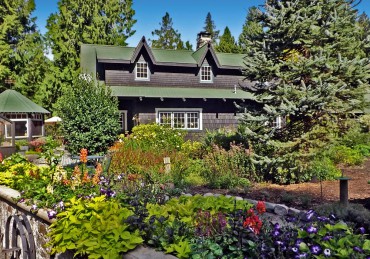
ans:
x=261 y=207
x=253 y=222
x=1 y=157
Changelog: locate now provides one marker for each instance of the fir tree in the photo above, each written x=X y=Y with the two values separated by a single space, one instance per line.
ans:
x=22 y=61
x=83 y=21
x=168 y=37
x=364 y=23
x=227 y=43
x=252 y=28
x=210 y=27
x=308 y=71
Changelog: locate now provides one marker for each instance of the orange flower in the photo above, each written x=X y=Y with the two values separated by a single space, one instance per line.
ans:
x=86 y=177
x=1 y=157
x=254 y=223
x=83 y=155
x=261 y=207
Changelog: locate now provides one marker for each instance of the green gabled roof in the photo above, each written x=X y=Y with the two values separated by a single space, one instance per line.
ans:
x=90 y=53
x=114 y=52
x=171 y=92
x=232 y=60
x=12 y=101
x=173 y=56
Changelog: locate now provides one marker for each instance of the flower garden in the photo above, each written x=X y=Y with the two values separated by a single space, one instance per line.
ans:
x=133 y=198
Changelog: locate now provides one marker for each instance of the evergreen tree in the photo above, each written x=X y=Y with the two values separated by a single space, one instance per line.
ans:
x=364 y=23
x=210 y=27
x=22 y=61
x=227 y=43
x=307 y=71
x=252 y=29
x=168 y=37
x=83 y=21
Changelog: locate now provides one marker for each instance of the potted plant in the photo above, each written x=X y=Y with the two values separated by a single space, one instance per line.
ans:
x=22 y=145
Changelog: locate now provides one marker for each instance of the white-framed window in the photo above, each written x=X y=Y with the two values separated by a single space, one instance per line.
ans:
x=123 y=120
x=20 y=126
x=277 y=123
x=142 y=71
x=206 y=74
x=38 y=125
x=178 y=118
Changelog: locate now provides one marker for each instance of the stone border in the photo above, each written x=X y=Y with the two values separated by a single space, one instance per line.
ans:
x=8 y=195
x=277 y=209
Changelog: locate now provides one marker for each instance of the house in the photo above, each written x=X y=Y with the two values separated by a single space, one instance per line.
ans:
x=190 y=90
x=27 y=117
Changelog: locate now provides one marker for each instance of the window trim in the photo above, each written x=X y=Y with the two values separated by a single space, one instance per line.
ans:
x=125 y=119
x=147 y=72
x=185 y=111
x=201 y=74
x=17 y=137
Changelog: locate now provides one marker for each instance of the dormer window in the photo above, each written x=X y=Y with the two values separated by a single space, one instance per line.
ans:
x=206 y=74
x=142 y=71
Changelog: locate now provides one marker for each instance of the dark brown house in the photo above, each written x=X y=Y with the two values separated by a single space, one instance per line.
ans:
x=188 y=90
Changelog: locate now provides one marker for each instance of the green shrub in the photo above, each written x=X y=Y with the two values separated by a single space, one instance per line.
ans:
x=156 y=137
x=324 y=169
x=89 y=116
x=228 y=169
x=363 y=149
x=95 y=228
x=223 y=138
x=345 y=155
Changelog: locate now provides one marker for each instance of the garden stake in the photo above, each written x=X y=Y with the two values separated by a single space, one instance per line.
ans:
x=343 y=190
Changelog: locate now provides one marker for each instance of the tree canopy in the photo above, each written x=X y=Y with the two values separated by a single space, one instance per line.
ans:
x=307 y=72
x=83 y=21
x=227 y=43
x=167 y=36
x=22 y=61
x=210 y=27
x=252 y=28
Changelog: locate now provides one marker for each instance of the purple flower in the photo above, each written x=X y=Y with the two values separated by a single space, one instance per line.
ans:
x=276 y=226
x=327 y=238
x=21 y=200
x=275 y=233
x=61 y=205
x=279 y=243
x=52 y=214
x=323 y=219
x=303 y=255
x=358 y=249
x=327 y=252
x=310 y=214
x=311 y=230
x=34 y=207
x=332 y=217
x=291 y=219
x=103 y=191
x=295 y=250
x=361 y=230
x=315 y=249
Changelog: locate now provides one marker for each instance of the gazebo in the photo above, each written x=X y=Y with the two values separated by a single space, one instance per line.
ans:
x=28 y=117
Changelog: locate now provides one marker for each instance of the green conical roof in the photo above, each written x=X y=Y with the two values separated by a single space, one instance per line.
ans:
x=12 y=101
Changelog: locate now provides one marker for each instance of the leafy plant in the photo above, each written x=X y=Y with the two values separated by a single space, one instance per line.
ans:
x=94 y=227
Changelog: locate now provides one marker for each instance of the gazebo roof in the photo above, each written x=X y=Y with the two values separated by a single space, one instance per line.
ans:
x=12 y=101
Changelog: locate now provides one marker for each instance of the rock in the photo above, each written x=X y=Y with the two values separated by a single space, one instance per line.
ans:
x=187 y=195
x=293 y=212
x=142 y=252
x=270 y=207
x=254 y=202
x=228 y=196
x=238 y=198
x=281 y=210
x=208 y=194
x=217 y=194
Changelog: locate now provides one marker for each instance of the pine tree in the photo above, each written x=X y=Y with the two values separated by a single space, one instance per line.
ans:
x=22 y=60
x=252 y=29
x=83 y=21
x=308 y=71
x=210 y=27
x=227 y=43
x=168 y=37
x=364 y=23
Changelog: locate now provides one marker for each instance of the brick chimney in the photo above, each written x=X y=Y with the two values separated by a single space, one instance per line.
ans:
x=203 y=37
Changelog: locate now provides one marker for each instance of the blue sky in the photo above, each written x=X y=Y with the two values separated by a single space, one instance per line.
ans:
x=187 y=16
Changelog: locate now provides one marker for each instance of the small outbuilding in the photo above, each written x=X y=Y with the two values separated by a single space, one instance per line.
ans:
x=27 y=116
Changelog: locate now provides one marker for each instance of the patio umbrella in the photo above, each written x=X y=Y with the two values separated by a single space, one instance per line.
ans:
x=54 y=119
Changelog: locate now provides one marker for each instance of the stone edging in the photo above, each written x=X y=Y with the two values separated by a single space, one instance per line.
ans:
x=9 y=195
x=278 y=209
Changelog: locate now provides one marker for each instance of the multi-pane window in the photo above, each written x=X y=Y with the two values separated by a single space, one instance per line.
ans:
x=277 y=123
x=142 y=72
x=205 y=74
x=190 y=120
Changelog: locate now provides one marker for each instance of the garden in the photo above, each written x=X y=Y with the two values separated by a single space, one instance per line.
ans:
x=136 y=197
